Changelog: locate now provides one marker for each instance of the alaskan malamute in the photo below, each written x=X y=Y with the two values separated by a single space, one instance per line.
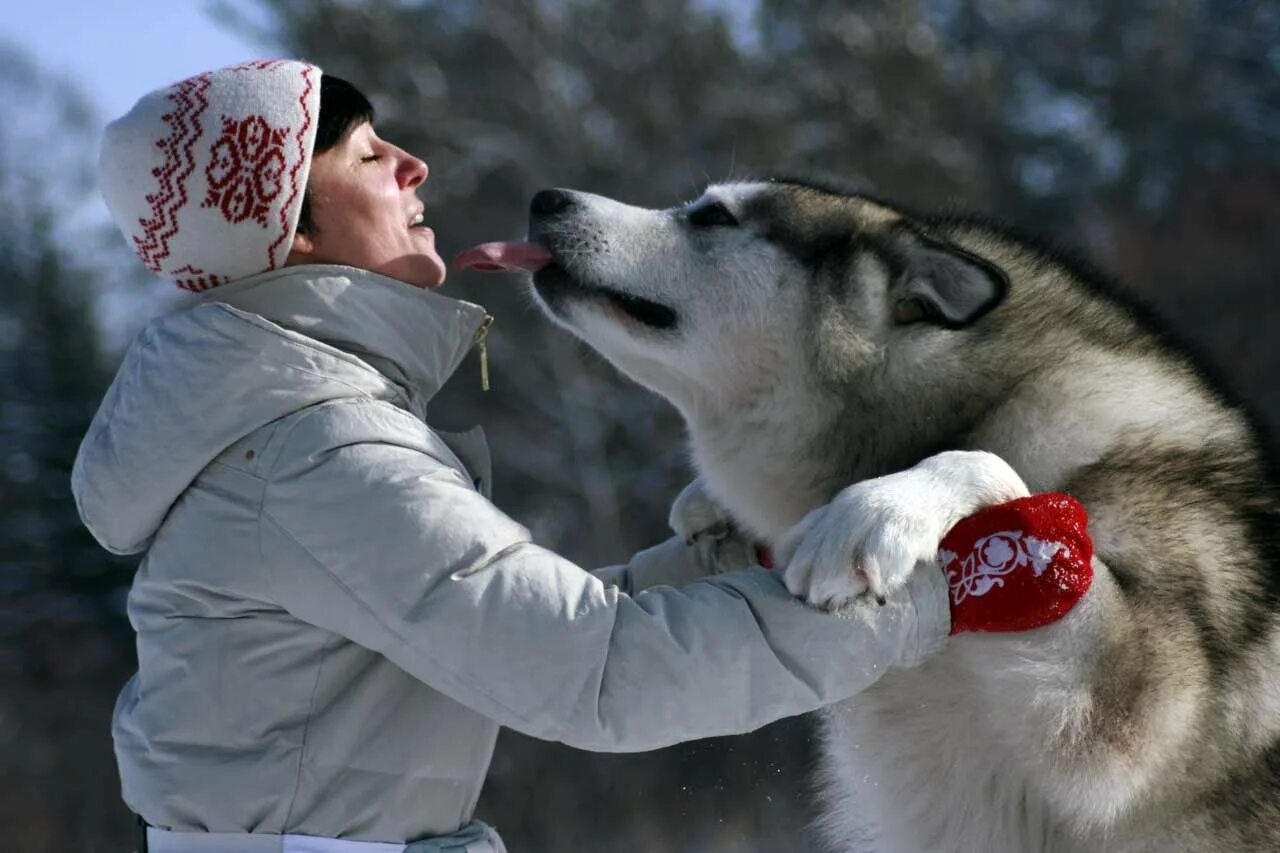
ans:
x=814 y=338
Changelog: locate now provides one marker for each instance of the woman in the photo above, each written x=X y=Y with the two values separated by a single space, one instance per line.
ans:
x=332 y=618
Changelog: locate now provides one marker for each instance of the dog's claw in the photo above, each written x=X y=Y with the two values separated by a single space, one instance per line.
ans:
x=719 y=530
x=875 y=586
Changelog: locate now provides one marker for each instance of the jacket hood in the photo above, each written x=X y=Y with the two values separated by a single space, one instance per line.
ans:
x=197 y=381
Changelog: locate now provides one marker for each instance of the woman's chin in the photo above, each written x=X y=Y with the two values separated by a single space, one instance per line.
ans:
x=427 y=272
x=433 y=278
x=439 y=274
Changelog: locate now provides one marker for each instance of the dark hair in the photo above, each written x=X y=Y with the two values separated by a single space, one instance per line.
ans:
x=342 y=107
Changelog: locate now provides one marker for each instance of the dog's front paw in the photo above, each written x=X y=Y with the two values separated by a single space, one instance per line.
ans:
x=695 y=514
x=866 y=540
x=874 y=533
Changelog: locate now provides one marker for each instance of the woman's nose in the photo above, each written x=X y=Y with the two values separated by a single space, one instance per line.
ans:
x=412 y=171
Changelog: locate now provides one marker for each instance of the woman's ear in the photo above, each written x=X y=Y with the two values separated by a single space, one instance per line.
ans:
x=301 y=251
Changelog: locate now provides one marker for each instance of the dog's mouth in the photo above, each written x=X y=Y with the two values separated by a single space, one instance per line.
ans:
x=556 y=285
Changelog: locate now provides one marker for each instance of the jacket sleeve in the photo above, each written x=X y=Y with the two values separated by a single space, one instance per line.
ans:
x=384 y=544
x=677 y=563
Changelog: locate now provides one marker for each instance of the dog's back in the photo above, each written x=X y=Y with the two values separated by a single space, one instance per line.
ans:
x=1150 y=718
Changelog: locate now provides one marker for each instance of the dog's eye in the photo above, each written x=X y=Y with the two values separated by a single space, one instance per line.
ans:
x=711 y=214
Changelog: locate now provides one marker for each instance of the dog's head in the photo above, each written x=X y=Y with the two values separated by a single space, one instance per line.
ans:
x=704 y=297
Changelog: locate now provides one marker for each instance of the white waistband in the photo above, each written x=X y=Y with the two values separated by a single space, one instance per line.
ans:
x=164 y=841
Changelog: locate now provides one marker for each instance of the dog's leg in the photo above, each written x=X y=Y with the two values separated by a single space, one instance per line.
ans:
x=1089 y=709
x=1118 y=713
x=873 y=534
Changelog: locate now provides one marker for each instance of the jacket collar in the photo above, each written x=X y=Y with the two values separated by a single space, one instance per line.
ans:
x=412 y=336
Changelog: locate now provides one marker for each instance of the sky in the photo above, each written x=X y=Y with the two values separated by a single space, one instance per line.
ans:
x=119 y=51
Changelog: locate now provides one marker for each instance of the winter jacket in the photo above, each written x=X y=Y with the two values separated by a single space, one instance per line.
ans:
x=333 y=619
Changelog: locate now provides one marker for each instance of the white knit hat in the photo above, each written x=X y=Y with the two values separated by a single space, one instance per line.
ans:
x=206 y=177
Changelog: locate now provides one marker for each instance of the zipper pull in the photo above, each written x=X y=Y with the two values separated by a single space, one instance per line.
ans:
x=481 y=334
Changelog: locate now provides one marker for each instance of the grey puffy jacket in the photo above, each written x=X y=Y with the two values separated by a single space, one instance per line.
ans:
x=333 y=619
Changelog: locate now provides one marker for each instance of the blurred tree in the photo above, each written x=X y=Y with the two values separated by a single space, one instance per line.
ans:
x=52 y=373
x=1143 y=134
x=1047 y=114
x=65 y=646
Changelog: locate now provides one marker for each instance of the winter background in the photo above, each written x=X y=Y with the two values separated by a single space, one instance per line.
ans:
x=1143 y=135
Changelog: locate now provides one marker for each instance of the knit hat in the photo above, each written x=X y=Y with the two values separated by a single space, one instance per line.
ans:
x=206 y=177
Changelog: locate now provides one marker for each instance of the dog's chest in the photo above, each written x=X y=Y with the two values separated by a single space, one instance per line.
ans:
x=766 y=486
x=914 y=765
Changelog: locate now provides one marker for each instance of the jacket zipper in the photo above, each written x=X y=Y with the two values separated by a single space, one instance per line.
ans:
x=481 y=334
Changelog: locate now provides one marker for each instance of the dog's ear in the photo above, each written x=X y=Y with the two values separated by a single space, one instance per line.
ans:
x=943 y=284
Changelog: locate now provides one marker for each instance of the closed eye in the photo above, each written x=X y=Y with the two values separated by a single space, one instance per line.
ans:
x=711 y=215
x=370 y=158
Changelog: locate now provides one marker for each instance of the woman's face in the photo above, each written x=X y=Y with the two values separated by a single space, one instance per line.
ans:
x=364 y=206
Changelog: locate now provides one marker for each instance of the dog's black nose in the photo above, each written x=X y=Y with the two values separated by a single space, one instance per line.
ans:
x=550 y=202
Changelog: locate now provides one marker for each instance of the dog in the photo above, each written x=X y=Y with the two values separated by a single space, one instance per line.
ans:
x=814 y=338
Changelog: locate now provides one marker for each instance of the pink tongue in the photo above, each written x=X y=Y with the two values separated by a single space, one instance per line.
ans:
x=499 y=257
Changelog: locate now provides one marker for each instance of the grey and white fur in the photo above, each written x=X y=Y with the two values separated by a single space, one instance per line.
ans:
x=814 y=338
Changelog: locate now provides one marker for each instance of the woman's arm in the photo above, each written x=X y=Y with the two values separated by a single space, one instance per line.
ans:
x=382 y=543
x=677 y=562
x=706 y=543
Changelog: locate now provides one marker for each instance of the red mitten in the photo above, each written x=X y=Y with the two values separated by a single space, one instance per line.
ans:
x=1017 y=565
x=1014 y=566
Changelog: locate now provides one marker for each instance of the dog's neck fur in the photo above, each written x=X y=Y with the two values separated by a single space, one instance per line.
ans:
x=781 y=445
x=753 y=452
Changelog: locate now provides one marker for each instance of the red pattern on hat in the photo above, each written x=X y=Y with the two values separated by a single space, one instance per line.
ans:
x=256 y=65
x=300 y=139
x=199 y=279
x=246 y=165
x=184 y=124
